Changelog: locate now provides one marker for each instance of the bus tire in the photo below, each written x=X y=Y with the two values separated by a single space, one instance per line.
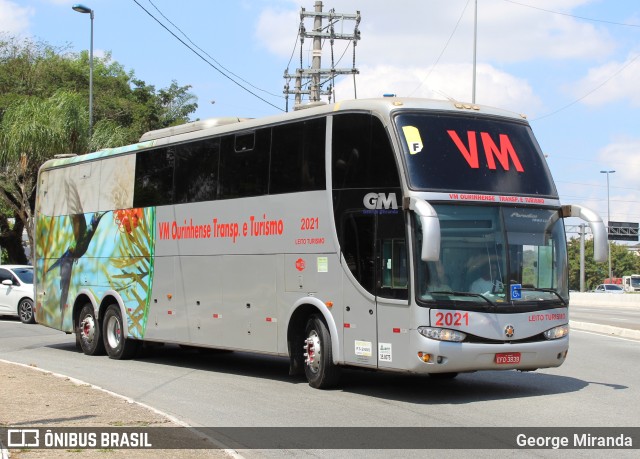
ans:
x=319 y=367
x=116 y=344
x=88 y=332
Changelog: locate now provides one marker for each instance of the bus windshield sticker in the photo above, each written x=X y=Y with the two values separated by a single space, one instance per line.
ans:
x=414 y=141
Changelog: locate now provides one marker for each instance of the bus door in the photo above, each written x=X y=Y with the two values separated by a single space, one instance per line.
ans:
x=392 y=273
x=376 y=313
x=360 y=310
x=367 y=197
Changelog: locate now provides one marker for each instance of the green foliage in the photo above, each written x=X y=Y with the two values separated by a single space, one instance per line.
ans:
x=623 y=263
x=108 y=134
x=44 y=98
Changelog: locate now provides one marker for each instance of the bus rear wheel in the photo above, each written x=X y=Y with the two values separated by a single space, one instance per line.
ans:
x=319 y=367
x=117 y=345
x=88 y=332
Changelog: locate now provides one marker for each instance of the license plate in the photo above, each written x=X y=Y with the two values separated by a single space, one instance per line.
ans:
x=508 y=358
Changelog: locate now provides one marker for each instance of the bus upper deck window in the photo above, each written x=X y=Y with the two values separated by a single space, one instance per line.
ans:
x=245 y=142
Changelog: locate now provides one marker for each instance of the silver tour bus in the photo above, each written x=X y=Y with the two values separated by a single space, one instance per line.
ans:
x=403 y=235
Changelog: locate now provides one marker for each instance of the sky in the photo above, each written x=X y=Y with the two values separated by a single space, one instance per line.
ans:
x=572 y=66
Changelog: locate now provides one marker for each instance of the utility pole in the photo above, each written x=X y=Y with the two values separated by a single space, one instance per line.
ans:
x=315 y=77
x=582 y=227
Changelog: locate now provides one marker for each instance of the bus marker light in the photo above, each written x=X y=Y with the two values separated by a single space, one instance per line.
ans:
x=347 y=325
x=217 y=316
x=169 y=296
x=329 y=304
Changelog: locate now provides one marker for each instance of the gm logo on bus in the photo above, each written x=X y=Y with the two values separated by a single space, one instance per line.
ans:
x=378 y=201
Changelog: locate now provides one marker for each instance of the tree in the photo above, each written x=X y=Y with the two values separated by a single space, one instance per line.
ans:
x=623 y=263
x=44 y=112
x=177 y=103
x=33 y=130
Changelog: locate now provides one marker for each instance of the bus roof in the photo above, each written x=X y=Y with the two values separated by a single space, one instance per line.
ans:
x=216 y=126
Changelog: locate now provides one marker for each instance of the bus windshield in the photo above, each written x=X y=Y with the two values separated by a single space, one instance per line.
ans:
x=495 y=256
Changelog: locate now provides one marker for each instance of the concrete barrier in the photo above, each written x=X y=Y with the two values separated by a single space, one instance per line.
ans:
x=626 y=300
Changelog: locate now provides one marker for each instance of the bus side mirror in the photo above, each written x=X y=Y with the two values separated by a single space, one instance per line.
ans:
x=600 y=236
x=430 y=228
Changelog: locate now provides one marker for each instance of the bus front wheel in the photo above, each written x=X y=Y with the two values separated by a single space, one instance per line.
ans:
x=88 y=332
x=319 y=367
x=117 y=345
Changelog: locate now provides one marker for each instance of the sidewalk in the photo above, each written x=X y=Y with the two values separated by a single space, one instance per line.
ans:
x=26 y=401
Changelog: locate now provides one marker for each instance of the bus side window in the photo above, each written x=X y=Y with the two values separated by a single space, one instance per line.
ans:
x=154 y=178
x=297 y=157
x=244 y=164
x=196 y=172
x=366 y=198
x=362 y=154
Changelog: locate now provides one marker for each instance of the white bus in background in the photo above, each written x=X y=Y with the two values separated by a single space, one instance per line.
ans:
x=403 y=235
x=631 y=283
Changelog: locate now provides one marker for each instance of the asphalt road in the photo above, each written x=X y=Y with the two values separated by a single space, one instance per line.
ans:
x=627 y=317
x=598 y=386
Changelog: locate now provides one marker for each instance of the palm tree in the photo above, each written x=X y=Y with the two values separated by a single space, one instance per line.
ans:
x=32 y=131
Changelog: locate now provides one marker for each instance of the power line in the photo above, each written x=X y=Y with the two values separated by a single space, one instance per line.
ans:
x=590 y=92
x=209 y=55
x=585 y=19
x=573 y=15
x=204 y=59
x=443 y=49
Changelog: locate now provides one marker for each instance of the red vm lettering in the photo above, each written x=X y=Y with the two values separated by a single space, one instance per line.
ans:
x=492 y=151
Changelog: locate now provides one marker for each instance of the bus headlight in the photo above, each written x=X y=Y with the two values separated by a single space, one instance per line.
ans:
x=557 y=332
x=442 y=334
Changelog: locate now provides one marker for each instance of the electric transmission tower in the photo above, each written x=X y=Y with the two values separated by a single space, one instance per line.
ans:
x=311 y=81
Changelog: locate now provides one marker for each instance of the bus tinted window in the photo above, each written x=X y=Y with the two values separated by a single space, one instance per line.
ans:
x=362 y=154
x=297 y=157
x=196 y=176
x=244 y=172
x=154 y=178
x=473 y=153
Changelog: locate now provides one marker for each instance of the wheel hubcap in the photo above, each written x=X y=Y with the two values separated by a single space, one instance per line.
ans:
x=26 y=311
x=312 y=351
x=88 y=328
x=114 y=332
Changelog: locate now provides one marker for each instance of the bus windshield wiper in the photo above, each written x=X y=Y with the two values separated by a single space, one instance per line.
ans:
x=546 y=290
x=469 y=294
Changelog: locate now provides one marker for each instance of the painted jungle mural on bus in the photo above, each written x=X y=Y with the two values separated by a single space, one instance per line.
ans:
x=97 y=252
x=80 y=246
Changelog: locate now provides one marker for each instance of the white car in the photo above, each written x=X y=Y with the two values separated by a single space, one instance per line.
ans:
x=16 y=292
x=609 y=288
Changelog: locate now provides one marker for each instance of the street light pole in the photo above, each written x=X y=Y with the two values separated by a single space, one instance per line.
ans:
x=84 y=9
x=608 y=221
x=475 y=40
